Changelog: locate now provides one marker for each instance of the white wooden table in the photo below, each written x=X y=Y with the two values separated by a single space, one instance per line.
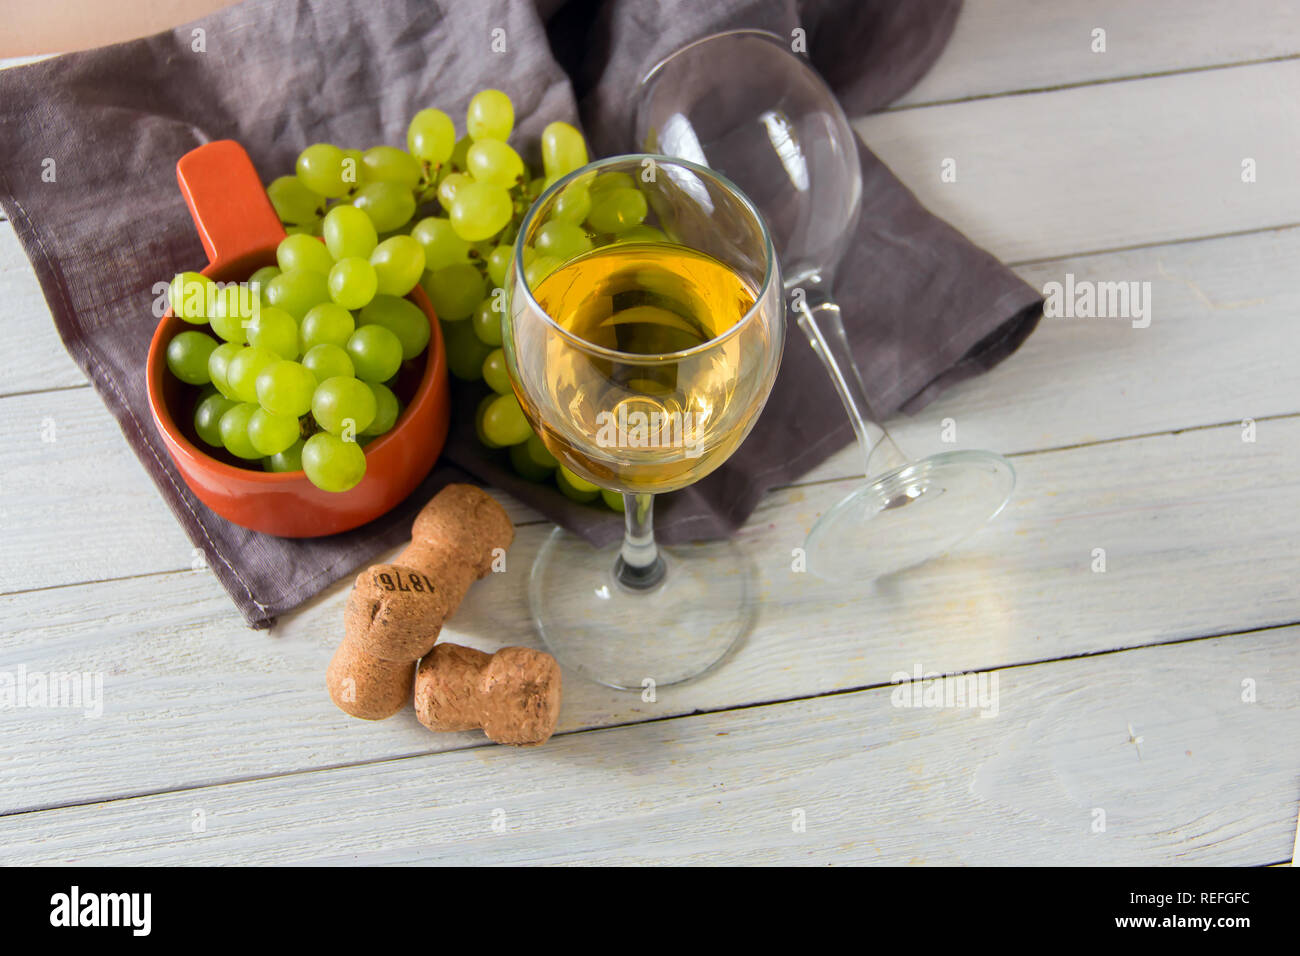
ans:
x=1147 y=713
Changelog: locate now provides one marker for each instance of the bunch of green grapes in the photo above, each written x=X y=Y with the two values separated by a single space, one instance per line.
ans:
x=297 y=365
x=461 y=199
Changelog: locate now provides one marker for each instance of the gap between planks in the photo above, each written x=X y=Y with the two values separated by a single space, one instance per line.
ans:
x=1082 y=84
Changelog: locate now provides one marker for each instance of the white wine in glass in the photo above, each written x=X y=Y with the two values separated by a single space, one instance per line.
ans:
x=642 y=358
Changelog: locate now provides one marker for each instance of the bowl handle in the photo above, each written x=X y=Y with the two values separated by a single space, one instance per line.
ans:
x=230 y=208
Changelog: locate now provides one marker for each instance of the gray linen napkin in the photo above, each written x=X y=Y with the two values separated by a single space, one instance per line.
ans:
x=277 y=76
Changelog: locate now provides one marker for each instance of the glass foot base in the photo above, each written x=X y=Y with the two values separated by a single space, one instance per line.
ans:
x=910 y=515
x=682 y=627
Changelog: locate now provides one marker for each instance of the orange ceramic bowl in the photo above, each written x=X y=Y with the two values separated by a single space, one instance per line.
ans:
x=240 y=232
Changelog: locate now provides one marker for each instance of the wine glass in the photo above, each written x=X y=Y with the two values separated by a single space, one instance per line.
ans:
x=642 y=347
x=741 y=102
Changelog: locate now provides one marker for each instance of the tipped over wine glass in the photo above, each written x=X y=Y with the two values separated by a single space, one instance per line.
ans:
x=742 y=103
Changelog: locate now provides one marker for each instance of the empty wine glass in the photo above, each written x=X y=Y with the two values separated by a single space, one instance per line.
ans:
x=742 y=103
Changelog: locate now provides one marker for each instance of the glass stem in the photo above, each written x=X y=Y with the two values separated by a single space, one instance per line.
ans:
x=639 y=567
x=819 y=317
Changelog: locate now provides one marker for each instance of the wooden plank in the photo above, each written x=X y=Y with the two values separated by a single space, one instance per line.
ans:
x=1219 y=308
x=1105 y=167
x=75 y=504
x=1003 y=46
x=1199 y=533
x=83 y=24
x=29 y=327
x=1145 y=757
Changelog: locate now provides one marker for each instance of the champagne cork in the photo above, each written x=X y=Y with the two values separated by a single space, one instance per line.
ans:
x=396 y=611
x=513 y=695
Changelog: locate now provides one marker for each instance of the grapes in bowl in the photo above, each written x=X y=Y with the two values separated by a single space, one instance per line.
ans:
x=232 y=436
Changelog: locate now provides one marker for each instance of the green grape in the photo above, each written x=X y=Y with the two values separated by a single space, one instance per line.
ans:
x=498 y=265
x=459 y=154
x=465 y=353
x=389 y=205
x=579 y=489
x=218 y=362
x=297 y=291
x=449 y=186
x=285 y=388
x=535 y=188
x=525 y=466
x=614 y=210
x=562 y=240
x=262 y=278
x=303 y=252
x=478 y=421
x=294 y=203
x=563 y=150
x=401 y=317
x=387 y=409
x=539 y=453
x=504 y=421
x=340 y=403
x=274 y=330
x=187 y=357
x=349 y=233
x=271 y=434
x=207 y=418
x=327 y=361
x=487 y=322
x=398 y=263
x=353 y=283
x=231 y=312
x=455 y=291
x=494 y=162
x=326 y=324
x=244 y=367
x=495 y=373
x=331 y=463
x=613 y=500
x=614 y=179
x=431 y=136
x=539 y=269
x=234 y=431
x=442 y=247
x=288 y=460
x=573 y=204
x=376 y=353
x=320 y=169
x=480 y=211
x=490 y=116
x=191 y=296
x=389 y=164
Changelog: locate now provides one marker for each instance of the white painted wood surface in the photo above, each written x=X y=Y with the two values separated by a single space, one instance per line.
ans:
x=1022 y=591
x=1106 y=166
x=1125 y=439
x=870 y=782
x=1009 y=46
